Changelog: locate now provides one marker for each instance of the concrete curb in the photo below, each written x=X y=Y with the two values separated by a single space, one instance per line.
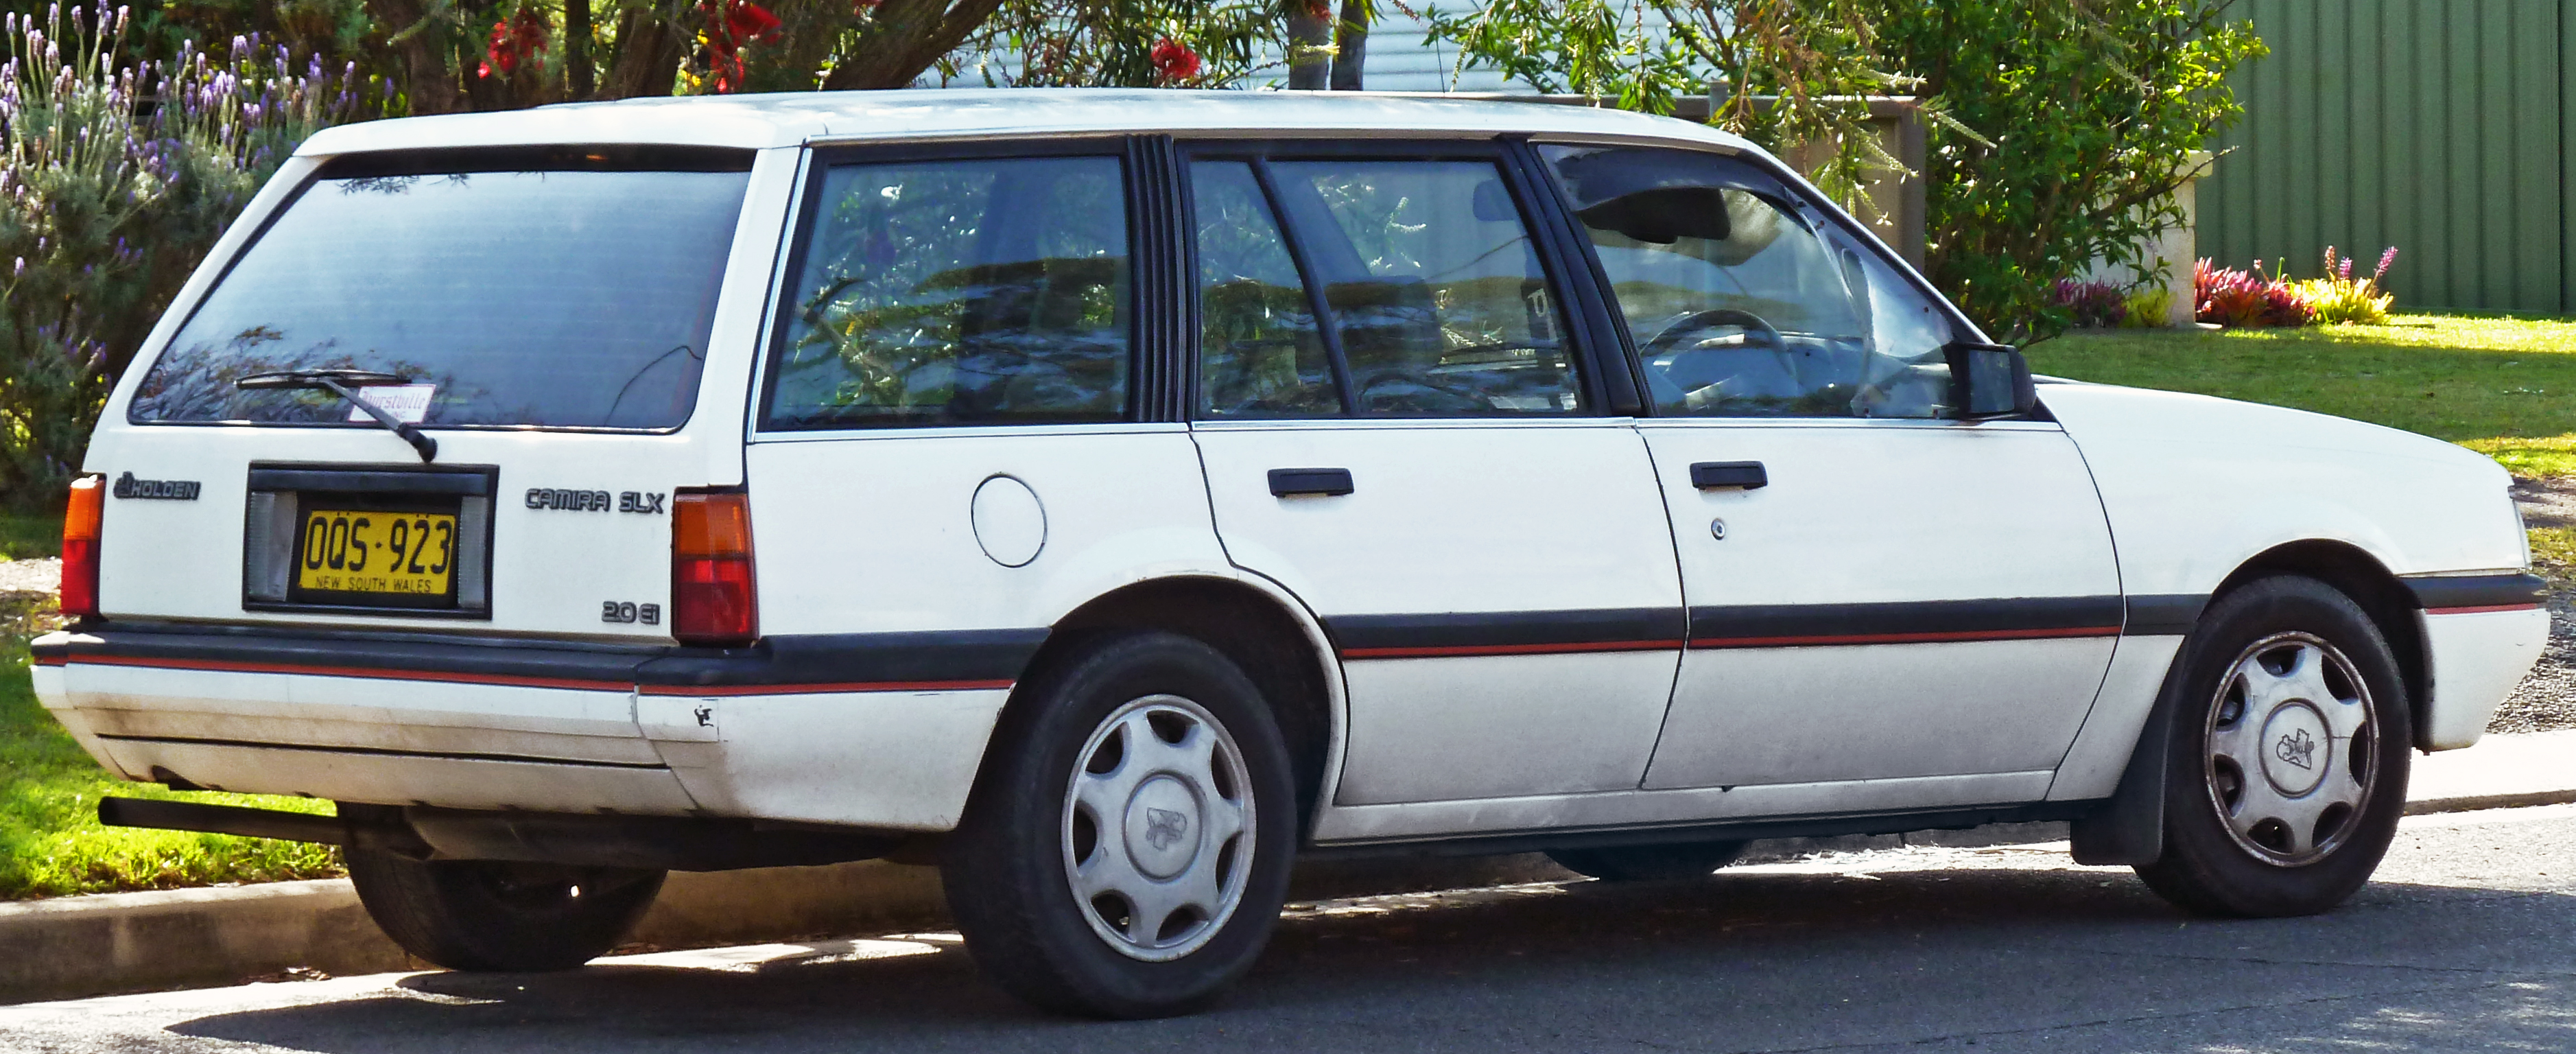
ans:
x=74 y=947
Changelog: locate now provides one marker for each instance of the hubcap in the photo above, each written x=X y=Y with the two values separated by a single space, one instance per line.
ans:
x=2291 y=751
x=1158 y=823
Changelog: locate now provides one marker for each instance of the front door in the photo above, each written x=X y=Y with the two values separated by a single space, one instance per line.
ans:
x=1878 y=591
x=1395 y=429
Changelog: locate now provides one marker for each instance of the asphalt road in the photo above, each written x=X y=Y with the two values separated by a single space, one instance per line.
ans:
x=2466 y=942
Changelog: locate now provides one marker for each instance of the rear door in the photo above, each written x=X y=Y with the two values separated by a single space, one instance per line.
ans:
x=1878 y=591
x=959 y=440
x=1396 y=427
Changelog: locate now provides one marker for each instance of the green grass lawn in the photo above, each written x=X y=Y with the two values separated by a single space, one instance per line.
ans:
x=2502 y=385
x=50 y=839
x=26 y=537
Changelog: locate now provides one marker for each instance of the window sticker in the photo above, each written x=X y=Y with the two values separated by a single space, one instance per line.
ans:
x=409 y=403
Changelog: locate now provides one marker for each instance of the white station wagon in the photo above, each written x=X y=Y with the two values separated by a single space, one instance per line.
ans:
x=1115 y=495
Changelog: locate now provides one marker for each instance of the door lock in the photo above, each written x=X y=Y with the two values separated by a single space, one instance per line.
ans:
x=1717 y=529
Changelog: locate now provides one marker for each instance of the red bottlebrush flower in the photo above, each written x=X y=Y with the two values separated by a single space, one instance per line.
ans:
x=514 y=38
x=730 y=25
x=750 y=22
x=1173 y=61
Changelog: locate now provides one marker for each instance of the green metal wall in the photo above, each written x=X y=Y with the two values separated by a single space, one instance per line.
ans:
x=2437 y=126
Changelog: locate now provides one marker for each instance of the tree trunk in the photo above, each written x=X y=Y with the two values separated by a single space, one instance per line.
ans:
x=579 y=76
x=649 y=49
x=1310 y=42
x=904 y=38
x=421 y=49
x=1350 y=45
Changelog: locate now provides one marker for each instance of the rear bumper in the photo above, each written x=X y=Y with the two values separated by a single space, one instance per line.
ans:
x=802 y=729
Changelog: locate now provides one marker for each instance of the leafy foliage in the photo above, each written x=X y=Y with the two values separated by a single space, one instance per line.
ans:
x=2067 y=124
x=1815 y=57
x=1126 y=43
x=2092 y=303
x=2340 y=297
x=107 y=204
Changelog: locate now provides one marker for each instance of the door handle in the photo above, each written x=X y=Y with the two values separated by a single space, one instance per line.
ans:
x=1729 y=475
x=1325 y=481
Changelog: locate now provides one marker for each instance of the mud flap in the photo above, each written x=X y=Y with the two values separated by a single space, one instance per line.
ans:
x=2130 y=827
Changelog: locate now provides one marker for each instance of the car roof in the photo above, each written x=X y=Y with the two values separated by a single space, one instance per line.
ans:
x=789 y=119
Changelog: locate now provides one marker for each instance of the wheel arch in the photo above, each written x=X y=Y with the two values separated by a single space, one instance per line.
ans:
x=2129 y=827
x=2357 y=574
x=1269 y=633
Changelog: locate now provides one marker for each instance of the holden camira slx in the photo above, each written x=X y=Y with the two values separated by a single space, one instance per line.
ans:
x=1111 y=497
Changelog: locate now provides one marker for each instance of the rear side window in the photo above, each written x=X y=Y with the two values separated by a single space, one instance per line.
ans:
x=986 y=291
x=1439 y=303
x=560 y=288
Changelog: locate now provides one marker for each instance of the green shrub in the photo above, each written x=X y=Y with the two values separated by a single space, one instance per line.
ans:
x=2148 y=308
x=2064 y=127
x=2340 y=297
x=115 y=179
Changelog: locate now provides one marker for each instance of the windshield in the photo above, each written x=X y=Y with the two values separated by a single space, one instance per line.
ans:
x=539 y=292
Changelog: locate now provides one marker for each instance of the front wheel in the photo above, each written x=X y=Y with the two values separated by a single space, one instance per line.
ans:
x=2287 y=769
x=1126 y=850
x=500 y=915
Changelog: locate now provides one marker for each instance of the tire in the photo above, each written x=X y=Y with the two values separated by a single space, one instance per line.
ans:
x=1648 y=863
x=491 y=915
x=1126 y=849
x=2286 y=773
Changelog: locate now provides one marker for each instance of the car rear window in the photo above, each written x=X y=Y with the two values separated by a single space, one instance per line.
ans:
x=566 y=287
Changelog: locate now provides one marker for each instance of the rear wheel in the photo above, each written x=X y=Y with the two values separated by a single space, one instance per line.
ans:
x=1646 y=863
x=1127 y=847
x=500 y=915
x=2287 y=771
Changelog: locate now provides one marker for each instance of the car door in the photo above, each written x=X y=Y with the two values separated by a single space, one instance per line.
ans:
x=1395 y=427
x=1877 y=589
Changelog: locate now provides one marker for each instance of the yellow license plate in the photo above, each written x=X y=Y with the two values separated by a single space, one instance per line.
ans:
x=374 y=551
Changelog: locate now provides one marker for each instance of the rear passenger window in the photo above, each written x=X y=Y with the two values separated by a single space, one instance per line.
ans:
x=1261 y=353
x=1437 y=297
x=959 y=292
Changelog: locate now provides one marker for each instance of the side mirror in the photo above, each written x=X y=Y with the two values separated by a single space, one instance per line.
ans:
x=1990 y=380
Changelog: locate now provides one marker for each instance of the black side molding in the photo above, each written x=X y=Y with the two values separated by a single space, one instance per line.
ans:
x=2439 y=593
x=2163 y=615
x=1325 y=481
x=1740 y=475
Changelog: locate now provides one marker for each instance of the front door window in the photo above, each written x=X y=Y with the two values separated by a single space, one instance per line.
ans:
x=1743 y=301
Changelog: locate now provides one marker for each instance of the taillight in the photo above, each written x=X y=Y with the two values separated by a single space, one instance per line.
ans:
x=711 y=593
x=80 y=547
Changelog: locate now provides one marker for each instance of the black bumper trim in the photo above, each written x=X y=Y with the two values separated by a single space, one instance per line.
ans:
x=810 y=662
x=2437 y=593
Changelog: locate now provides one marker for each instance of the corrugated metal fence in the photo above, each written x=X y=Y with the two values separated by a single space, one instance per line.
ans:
x=2437 y=126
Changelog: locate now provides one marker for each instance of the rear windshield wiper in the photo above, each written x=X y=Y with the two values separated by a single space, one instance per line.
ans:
x=343 y=384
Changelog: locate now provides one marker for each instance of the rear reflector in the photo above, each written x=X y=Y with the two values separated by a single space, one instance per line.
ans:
x=711 y=588
x=80 y=547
